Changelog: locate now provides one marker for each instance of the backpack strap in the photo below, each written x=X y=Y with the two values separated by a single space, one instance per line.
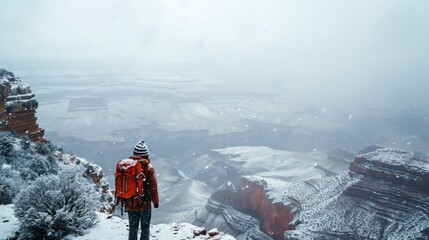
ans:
x=123 y=188
x=147 y=196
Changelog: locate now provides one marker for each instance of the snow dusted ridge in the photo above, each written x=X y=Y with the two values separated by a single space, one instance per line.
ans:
x=382 y=194
x=266 y=162
x=395 y=166
x=396 y=157
x=115 y=228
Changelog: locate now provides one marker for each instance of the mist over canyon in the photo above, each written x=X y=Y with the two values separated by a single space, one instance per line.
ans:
x=205 y=136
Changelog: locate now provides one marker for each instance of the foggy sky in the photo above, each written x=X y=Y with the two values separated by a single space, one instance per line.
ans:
x=352 y=46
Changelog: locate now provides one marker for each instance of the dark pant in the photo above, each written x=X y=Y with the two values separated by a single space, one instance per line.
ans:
x=135 y=218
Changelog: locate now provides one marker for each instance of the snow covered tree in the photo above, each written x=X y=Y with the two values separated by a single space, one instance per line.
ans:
x=44 y=148
x=54 y=206
x=7 y=150
x=7 y=190
x=25 y=143
x=10 y=184
x=2 y=160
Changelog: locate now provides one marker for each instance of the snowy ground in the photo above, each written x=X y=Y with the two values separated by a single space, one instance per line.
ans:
x=114 y=228
x=267 y=162
x=9 y=224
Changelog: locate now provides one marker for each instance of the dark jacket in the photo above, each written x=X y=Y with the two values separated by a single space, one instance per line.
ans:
x=149 y=172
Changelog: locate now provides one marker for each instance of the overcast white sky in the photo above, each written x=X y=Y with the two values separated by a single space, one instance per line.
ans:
x=314 y=43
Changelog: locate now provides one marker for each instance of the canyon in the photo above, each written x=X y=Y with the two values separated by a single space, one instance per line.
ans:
x=382 y=195
x=261 y=193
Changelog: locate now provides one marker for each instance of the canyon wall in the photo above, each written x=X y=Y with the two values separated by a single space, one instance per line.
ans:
x=18 y=107
x=250 y=197
x=383 y=195
x=395 y=166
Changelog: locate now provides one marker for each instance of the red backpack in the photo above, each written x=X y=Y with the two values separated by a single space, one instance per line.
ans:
x=129 y=182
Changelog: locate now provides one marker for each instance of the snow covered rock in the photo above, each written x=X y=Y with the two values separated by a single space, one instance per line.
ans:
x=395 y=166
x=18 y=107
x=95 y=173
x=185 y=231
x=232 y=221
x=386 y=198
x=381 y=194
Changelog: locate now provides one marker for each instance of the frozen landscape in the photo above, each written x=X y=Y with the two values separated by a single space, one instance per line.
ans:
x=267 y=120
x=290 y=161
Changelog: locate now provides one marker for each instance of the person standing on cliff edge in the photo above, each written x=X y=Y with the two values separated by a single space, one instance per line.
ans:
x=141 y=215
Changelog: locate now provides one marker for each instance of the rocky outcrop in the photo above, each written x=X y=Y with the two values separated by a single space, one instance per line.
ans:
x=395 y=166
x=276 y=201
x=234 y=222
x=18 y=107
x=387 y=199
x=383 y=195
x=17 y=113
x=250 y=197
x=95 y=173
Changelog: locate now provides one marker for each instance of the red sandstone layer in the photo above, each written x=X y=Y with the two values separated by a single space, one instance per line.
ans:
x=18 y=114
x=251 y=198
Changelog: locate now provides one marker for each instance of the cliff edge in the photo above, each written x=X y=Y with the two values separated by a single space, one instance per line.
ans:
x=18 y=107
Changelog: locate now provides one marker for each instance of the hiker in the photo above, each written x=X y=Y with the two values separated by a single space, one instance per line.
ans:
x=140 y=214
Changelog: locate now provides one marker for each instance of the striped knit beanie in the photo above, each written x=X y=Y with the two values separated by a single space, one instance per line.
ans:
x=141 y=149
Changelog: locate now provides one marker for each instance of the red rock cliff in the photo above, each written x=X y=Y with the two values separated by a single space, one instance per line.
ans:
x=394 y=166
x=251 y=198
x=18 y=107
x=383 y=195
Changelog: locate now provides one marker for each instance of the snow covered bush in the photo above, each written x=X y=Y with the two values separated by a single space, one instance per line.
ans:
x=54 y=206
x=35 y=166
x=7 y=190
x=34 y=160
x=2 y=160
x=44 y=148
x=7 y=151
x=10 y=184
